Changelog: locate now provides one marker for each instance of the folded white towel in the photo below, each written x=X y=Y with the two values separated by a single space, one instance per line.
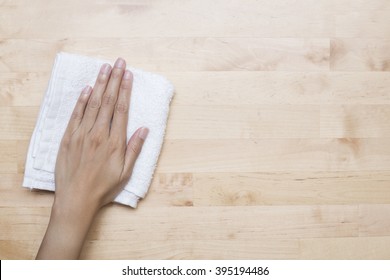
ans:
x=149 y=107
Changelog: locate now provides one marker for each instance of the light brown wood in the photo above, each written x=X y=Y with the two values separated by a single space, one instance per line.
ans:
x=277 y=146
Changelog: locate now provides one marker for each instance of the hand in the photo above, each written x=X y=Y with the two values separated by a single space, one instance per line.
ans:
x=94 y=161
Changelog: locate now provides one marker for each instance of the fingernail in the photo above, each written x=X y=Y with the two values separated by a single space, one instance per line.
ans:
x=143 y=133
x=105 y=68
x=127 y=75
x=120 y=63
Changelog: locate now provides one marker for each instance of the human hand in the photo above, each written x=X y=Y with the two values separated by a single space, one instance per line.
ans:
x=94 y=161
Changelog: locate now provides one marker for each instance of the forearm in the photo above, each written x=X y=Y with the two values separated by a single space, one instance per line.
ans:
x=66 y=232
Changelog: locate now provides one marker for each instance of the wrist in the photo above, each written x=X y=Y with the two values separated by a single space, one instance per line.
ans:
x=71 y=200
x=68 y=227
x=74 y=213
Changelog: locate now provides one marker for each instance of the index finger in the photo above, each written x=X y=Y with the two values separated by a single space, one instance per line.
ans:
x=121 y=112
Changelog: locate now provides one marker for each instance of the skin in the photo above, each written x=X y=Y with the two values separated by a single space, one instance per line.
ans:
x=94 y=162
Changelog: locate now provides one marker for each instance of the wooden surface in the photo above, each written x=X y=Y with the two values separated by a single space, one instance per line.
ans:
x=277 y=146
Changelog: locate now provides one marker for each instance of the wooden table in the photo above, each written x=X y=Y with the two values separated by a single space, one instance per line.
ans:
x=277 y=146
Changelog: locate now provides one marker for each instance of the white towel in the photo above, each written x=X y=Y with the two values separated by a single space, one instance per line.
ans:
x=149 y=107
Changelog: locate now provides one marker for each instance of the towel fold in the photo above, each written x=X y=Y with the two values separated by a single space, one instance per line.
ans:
x=149 y=107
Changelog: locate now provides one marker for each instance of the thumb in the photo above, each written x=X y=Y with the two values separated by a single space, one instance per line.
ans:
x=133 y=150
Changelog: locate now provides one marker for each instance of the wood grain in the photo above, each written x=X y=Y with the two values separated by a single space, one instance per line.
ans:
x=226 y=88
x=166 y=19
x=277 y=145
x=177 y=53
x=355 y=121
x=359 y=54
x=349 y=248
x=275 y=155
x=298 y=188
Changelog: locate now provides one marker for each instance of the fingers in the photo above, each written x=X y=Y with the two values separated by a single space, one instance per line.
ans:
x=134 y=148
x=95 y=101
x=78 y=111
x=110 y=95
x=121 y=111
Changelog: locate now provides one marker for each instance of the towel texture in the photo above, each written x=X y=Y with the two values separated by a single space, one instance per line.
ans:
x=149 y=107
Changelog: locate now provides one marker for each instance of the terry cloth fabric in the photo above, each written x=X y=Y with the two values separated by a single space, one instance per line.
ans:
x=149 y=107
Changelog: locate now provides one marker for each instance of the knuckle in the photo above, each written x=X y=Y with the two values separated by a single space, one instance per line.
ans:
x=66 y=142
x=78 y=139
x=122 y=108
x=97 y=138
x=108 y=99
x=77 y=115
x=115 y=145
x=94 y=103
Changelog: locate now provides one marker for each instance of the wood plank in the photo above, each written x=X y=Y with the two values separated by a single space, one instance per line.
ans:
x=371 y=88
x=8 y=167
x=248 y=87
x=268 y=248
x=341 y=6
x=355 y=121
x=356 y=54
x=195 y=223
x=22 y=88
x=374 y=219
x=176 y=53
x=9 y=181
x=221 y=122
x=8 y=151
x=226 y=88
x=13 y=195
x=268 y=155
x=199 y=122
x=273 y=155
x=349 y=248
x=298 y=188
x=17 y=123
x=118 y=19
x=17 y=196
x=22 y=223
x=279 y=87
x=276 y=121
x=18 y=249
x=363 y=23
x=8 y=157
x=221 y=189
x=170 y=189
